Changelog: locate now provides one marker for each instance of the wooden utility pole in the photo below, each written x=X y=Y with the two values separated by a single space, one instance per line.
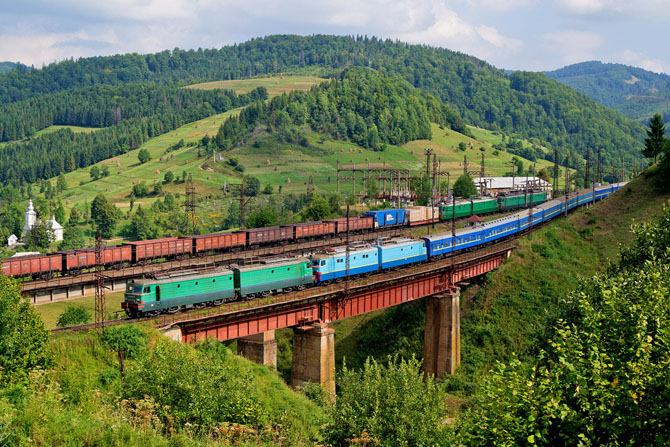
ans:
x=556 y=170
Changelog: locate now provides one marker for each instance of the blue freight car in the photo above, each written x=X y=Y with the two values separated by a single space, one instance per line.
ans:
x=332 y=264
x=385 y=218
x=396 y=252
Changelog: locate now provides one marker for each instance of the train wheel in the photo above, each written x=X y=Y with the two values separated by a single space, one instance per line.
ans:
x=200 y=305
x=172 y=310
x=217 y=302
x=287 y=289
x=301 y=287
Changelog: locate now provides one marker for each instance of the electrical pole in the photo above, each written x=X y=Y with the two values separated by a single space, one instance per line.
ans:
x=99 y=284
x=556 y=170
x=189 y=204
x=600 y=169
x=238 y=188
x=567 y=185
x=310 y=189
x=347 y=248
x=465 y=164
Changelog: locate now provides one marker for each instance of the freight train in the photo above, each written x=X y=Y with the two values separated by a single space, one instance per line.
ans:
x=74 y=262
x=152 y=297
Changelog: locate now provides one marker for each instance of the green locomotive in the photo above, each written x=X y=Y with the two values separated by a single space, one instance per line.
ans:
x=145 y=297
x=488 y=205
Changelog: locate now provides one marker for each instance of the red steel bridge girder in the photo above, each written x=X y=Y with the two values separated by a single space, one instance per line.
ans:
x=337 y=307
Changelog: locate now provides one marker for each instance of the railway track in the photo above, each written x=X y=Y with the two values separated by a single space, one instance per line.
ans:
x=317 y=293
x=243 y=256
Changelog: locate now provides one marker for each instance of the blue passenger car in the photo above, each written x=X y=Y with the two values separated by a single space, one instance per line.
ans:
x=332 y=264
x=385 y=218
x=395 y=252
x=438 y=244
x=500 y=228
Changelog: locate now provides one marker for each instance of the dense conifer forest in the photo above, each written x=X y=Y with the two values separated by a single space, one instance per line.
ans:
x=527 y=104
x=129 y=115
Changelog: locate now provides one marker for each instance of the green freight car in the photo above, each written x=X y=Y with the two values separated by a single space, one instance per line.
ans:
x=151 y=297
x=467 y=208
x=514 y=201
x=271 y=275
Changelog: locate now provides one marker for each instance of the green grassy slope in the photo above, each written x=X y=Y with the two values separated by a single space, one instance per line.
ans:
x=508 y=310
x=275 y=85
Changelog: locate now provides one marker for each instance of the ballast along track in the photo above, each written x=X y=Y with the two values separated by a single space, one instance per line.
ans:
x=317 y=294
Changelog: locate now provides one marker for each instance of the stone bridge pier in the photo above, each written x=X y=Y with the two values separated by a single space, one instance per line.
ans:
x=442 y=337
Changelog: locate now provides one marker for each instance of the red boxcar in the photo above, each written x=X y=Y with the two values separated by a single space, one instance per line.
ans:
x=355 y=224
x=35 y=265
x=117 y=254
x=268 y=235
x=218 y=241
x=160 y=248
x=79 y=259
x=312 y=229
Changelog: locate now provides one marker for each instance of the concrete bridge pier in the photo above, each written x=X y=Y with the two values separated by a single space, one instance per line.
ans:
x=442 y=337
x=314 y=356
x=260 y=348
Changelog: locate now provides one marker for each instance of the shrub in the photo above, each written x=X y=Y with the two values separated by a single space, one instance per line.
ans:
x=128 y=338
x=72 y=315
x=189 y=387
x=392 y=403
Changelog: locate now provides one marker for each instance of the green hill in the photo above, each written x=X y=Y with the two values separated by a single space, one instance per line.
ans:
x=527 y=104
x=635 y=92
x=7 y=66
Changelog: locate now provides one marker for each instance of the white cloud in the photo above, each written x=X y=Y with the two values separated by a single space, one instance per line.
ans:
x=448 y=29
x=636 y=59
x=83 y=28
x=572 y=45
x=646 y=9
x=500 y=5
x=581 y=7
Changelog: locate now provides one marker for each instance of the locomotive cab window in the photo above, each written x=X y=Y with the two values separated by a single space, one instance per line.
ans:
x=147 y=289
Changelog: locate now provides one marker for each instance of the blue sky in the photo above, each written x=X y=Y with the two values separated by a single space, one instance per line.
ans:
x=512 y=34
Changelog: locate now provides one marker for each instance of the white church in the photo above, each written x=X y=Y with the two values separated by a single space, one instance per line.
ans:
x=31 y=219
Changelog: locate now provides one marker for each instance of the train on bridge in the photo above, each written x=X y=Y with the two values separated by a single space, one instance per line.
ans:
x=152 y=297
x=74 y=262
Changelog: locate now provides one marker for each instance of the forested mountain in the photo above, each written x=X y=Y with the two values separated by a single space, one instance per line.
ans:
x=361 y=106
x=7 y=66
x=133 y=114
x=635 y=92
x=527 y=104
x=102 y=106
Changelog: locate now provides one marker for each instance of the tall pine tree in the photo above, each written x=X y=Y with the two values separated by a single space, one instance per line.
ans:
x=653 y=144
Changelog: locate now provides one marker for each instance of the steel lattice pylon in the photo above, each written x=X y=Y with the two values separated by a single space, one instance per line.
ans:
x=99 y=284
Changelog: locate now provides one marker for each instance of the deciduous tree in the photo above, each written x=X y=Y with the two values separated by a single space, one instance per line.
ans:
x=464 y=187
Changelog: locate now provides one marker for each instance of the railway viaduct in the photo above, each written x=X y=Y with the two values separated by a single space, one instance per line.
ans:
x=310 y=312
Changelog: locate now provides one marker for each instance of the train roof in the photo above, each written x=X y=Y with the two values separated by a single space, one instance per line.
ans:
x=270 y=264
x=186 y=276
x=397 y=242
x=338 y=251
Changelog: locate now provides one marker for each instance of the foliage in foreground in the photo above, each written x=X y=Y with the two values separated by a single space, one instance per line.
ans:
x=604 y=376
x=390 y=404
x=23 y=339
